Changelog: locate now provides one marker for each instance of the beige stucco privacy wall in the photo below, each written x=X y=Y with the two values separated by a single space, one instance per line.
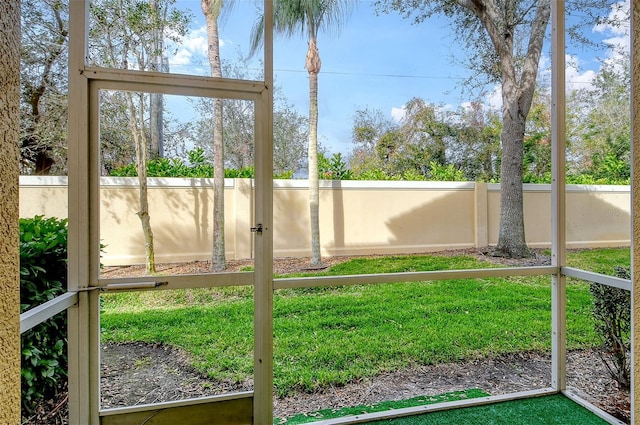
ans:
x=357 y=217
x=597 y=216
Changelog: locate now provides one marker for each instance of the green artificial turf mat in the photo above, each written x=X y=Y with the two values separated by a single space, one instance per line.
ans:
x=548 y=410
x=379 y=407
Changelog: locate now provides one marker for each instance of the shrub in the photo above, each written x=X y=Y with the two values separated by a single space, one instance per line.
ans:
x=612 y=314
x=334 y=168
x=196 y=168
x=43 y=276
x=449 y=172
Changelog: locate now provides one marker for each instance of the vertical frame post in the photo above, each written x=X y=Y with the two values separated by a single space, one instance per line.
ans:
x=83 y=240
x=558 y=202
x=80 y=404
x=263 y=294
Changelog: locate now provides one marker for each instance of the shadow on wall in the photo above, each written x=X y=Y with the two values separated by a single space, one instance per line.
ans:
x=397 y=218
x=180 y=221
x=596 y=216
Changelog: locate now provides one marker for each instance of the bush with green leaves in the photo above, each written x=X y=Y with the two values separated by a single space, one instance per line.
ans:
x=612 y=315
x=171 y=167
x=334 y=168
x=43 y=276
x=197 y=167
x=439 y=172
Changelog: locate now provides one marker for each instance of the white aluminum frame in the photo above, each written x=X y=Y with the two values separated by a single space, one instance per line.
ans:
x=84 y=281
x=558 y=231
x=81 y=301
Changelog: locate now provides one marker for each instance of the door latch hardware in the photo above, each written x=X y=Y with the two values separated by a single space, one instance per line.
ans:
x=257 y=229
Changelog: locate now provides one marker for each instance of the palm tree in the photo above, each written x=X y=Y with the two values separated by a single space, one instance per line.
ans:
x=211 y=10
x=308 y=17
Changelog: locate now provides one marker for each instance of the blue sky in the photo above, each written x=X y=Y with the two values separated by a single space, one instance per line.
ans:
x=379 y=62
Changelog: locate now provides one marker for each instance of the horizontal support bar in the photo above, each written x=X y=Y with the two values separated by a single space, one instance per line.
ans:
x=592 y=408
x=46 y=311
x=365 y=279
x=602 y=279
x=177 y=403
x=409 y=411
x=133 y=286
x=205 y=280
x=228 y=409
x=174 y=84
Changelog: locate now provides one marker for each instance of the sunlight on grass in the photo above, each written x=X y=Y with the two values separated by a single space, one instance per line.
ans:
x=602 y=260
x=400 y=264
x=330 y=336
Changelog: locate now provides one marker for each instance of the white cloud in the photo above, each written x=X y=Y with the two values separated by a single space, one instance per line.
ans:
x=619 y=13
x=576 y=77
x=618 y=26
x=398 y=114
x=193 y=49
x=620 y=40
x=196 y=41
x=576 y=80
x=494 y=98
x=181 y=57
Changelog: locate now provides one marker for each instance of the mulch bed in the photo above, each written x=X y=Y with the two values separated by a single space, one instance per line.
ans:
x=288 y=265
x=138 y=373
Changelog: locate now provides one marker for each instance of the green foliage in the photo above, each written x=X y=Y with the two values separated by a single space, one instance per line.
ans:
x=285 y=175
x=43 y=276
x=243 y=173
x=334 y=168
x=176 y=167
x=585 y=178
x=437 y=172
x=448 y=172
x=537 y=160
x=375 y=174
x=613 y=168
x=612 y=315
x=413 y=175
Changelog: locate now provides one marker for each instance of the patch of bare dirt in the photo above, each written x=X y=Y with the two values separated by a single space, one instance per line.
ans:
x=54 y=411
x=143 y=373
x=287 y=265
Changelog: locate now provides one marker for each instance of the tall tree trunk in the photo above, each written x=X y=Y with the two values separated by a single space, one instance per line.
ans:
x=9 y=232
x=211 y=10
x=156 y=107
x=313 y=65
x=511 y=238
x=218 y=260
x=156 y=119
x=517 y=95
x=141 y=168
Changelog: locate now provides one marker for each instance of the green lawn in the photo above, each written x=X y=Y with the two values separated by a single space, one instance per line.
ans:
x=329 y=336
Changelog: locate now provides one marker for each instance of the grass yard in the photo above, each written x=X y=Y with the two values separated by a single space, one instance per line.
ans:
x=326 y=336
